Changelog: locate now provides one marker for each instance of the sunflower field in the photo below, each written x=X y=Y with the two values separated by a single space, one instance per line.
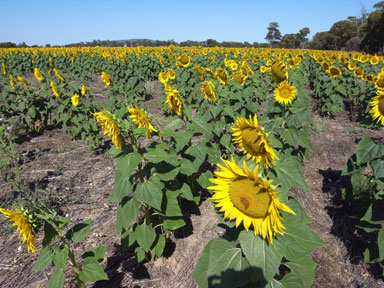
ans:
x=232 y=126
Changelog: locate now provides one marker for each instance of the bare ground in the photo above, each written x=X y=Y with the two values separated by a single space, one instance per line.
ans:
x=78 y=183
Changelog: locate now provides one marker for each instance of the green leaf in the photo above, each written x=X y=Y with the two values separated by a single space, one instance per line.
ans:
x=367 y=150
x=159 y=245
x=92 y=271
x=57 y=279
x=169 y=175
x=289 y=172
x=140 y=254
x=79 y=232
x=60 y=258
x=170 y=205
x=150 y=192
x=198 y=124
x=203 y=179
x=199 y=152
x=145 y=235
x=174 y=124
x=44 y=259
x=378 y=168
x=222 y=265
x=50 y=234
x=375 y=213
x=97 y=253
x=304 y=269
x=290 y=136
x=127 y=210
x=158 y=155
x=125 y=166
x=172 y=223
x=262 y=255
x=188 y=167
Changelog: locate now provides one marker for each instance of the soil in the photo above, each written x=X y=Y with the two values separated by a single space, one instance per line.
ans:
x=77 y=183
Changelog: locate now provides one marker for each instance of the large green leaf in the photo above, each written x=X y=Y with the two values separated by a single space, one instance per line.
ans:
x=289 y=172
x=304 y=269
x=97 y=253
x=125 y=166
x=367 y=150
x=266 y=257
x=375 y=213
x=170 y=205
x=158 y=155
x=199 y=152
x=378 y=168
x=150 y=192
x=61 y=257
x=127 y=210
x=222 y=265
x=145 y=235
x=57 y=278
x=44 y=259
x=79 y=232
x=92 y=271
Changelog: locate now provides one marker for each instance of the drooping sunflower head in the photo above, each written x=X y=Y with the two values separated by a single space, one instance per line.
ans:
x=253 y=141
x=199 y=71
x=279 y=71
x=378 y=107
x=238 y=77
x=140 y=118
x=222 y=75
x=208 y=89
x=75 y=99
x=242 y=195
x=11 y=81
x=83 y=89
x=22 y=82
x=26 y=224
x=38 y=75
x=4 y=68
x=106 y=79
x=285 y=93
x=110 y=126
x=174 y=103
x=171 y=73
x=54 y=89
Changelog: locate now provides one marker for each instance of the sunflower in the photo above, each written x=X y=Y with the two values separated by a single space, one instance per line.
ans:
x=174 y=102
x=359 y=72
x=334 y=71
x=83 y=89
x=238 y=77
x=285 y=93
x=222 y=75
x=163 y=77
x=106 y=79
x=171 y=73
x=351 y=65
x=263 y=69
x=208 y=89
x=253 y=141
x=279 y=72
x=139 y=117
x=110 y=126
x=4 y=68
x=379 y=84
x=75 y=99
x=38 y=75
x=374 y=60
x=11 y=81
x=199 y=71
x=22 y=82
x=243 y=196
x=54 y=89
x=27 y=227
x=378 y=107
x=183 y=61
x=370 y=77
x=233 y=65
x=58 y=75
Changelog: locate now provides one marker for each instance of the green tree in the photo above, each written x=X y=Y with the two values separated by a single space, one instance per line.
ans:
x=302 y=36
x=274 y=35
x=373 y=40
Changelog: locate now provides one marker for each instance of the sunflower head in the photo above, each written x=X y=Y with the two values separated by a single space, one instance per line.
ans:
x=174 y=102
x=374 y=60
x=377 y=105
x=183 y=61
x=38 y=75
x=140 y=118
x=334 y=71
x=222 y=75
x=199 y=71
x=351 y=65
x=75 y=99
x=379 y=84
x=242 y=195
x=238 y=77
x=83 y=89
x=208 y=89
x=110 y=126
x=26 y=224
x=163 y=77
x=253 y=141
x=106 y=79
x=285 y=93
x=279 y=71
x=171 y=73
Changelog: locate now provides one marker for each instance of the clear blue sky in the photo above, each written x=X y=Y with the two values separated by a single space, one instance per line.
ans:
x=62 y=22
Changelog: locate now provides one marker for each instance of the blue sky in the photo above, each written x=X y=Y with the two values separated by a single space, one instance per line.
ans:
x=62 y=22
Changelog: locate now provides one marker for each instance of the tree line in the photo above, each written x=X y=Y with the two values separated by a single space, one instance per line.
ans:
x=365 y=33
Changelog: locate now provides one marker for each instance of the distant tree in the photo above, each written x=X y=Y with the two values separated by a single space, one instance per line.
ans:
x=290 y=41
x=22 y=45
x=212 y=43
x=322 y=41
x=302 y=35
x=274 y=35
x=342 y=32
x=373 y=40
x=7 y=45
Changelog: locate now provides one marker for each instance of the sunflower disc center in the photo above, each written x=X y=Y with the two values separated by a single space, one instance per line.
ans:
x=252 y=141
x=249 y=198
x=380 y=106
x=285 y=93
